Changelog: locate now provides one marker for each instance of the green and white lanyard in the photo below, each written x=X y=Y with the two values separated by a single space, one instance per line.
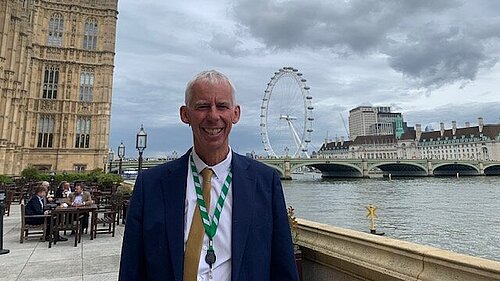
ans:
x=210 y=226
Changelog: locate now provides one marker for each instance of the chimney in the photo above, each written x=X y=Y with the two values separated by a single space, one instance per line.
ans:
x=467 y=124
x=418 y=131
x=442 y=128
x=453 y=127
x=480 y=124
x=342 y=141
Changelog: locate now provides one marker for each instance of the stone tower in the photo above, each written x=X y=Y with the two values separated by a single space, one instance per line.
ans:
x=56 y=77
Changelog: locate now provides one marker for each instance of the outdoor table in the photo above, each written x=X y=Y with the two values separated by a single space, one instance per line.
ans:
x=70 y=215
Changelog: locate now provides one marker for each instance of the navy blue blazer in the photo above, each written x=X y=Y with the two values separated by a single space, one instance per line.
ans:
x=34 y=208
x=153 y=243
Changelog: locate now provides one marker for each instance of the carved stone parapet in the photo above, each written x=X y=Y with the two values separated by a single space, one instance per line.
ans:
x=85 y=108
x=48 y=105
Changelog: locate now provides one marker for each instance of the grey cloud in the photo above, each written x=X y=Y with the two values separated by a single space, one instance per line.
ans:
x=454 y=112
x=228 y=44
x=435 y=58
x=430 y=54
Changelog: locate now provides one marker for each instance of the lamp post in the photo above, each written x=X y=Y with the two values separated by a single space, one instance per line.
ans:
x=111 y=155
x=121 y=154
x=140 y=144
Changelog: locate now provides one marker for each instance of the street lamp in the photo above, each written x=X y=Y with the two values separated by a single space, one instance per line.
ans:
x=121 y=154
x=140 y=144
x=286 y=151
x=111 y=155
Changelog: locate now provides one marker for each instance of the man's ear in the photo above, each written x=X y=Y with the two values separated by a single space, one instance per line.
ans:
x=184 y=115
x=237 y=114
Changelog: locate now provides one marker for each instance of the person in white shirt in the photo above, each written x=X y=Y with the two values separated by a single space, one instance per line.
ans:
x=212 y=214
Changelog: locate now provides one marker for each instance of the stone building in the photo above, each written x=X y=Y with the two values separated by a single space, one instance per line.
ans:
x=56 y=76
x=476 y=143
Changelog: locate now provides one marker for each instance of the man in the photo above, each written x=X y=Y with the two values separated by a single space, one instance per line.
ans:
x=244 y=232
x=81 y=198
x=36 y=206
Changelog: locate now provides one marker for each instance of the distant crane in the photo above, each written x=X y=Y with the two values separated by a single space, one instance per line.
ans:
x=345 y=126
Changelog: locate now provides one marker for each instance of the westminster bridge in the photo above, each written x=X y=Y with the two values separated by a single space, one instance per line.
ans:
x=359 y=168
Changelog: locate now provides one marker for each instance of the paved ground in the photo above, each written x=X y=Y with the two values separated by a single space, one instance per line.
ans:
x=92 y=260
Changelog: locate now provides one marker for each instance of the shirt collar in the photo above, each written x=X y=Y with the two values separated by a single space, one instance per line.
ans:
x=219 y=169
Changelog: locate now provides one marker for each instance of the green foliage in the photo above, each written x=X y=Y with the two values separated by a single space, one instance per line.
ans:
x=108 y=180
x=125 y=189
x=31 y=173
x=5 y=179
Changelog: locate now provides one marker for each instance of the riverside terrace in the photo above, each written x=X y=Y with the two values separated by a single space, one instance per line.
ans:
x=96 y=259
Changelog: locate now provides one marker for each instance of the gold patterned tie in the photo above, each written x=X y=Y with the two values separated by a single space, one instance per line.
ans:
x=196 y=232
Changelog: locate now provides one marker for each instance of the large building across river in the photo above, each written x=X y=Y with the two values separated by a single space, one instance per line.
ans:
x=481 y=142
x=56 y=76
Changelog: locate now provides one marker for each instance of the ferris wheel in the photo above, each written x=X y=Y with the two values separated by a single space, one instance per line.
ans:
x=286 y=115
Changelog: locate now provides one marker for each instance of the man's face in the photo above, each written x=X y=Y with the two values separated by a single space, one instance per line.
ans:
x=211 y=115
x=66 y=186
x=78 y=189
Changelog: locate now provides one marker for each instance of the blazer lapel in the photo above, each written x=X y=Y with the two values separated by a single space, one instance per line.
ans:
x=174 y=194
x=243 y=189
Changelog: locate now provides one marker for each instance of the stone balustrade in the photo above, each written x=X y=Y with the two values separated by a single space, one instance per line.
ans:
x=333 y=253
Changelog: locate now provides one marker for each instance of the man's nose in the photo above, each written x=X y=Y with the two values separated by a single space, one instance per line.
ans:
x=213 y=113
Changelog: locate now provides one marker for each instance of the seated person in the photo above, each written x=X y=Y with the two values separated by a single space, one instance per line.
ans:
x=63 y=190
x=36 y=206
x=81 y=198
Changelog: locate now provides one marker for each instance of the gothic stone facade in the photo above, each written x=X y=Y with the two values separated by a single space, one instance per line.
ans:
x=56 y=76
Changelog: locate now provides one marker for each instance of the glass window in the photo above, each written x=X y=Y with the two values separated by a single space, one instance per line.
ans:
x=82 y=136
x=90 y=35
x=86 y=85
x=56 y=26
x=45 y=131
x=50 y=81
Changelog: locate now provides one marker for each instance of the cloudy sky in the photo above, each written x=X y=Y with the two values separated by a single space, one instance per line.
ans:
x=433 y=60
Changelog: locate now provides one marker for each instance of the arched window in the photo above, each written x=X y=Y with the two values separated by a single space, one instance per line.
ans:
x=82 y=139
x=86 y=84
x=50 y=81
x=45 y=131
x=56 y=26
x=90 y=34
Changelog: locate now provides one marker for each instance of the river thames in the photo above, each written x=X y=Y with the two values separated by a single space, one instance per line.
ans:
x=461 y=215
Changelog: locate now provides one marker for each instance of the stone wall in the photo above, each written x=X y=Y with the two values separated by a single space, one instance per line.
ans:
x=332 y=253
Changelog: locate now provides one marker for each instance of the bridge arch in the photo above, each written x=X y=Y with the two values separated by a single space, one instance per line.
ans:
x=333 y=169
x=492 y=170
x=277 y=167
x=401 y=169
x=452 y=169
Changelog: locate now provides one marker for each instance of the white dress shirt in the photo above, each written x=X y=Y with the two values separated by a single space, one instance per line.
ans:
x=221 y=269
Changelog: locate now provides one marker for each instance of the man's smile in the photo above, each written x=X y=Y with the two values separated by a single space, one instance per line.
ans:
x=213 y=131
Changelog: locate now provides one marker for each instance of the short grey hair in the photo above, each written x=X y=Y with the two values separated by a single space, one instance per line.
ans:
x=45 y=183
x=211 y=76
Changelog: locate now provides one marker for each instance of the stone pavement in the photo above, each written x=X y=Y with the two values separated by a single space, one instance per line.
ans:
x=91 y=260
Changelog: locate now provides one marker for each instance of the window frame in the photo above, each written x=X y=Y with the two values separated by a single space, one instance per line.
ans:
x=55 y=30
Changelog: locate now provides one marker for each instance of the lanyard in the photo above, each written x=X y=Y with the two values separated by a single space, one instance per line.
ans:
x=210 y=226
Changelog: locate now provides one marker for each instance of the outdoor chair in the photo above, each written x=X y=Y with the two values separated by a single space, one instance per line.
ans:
x=29 y=229
x=63 y=220
x=105 y=220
